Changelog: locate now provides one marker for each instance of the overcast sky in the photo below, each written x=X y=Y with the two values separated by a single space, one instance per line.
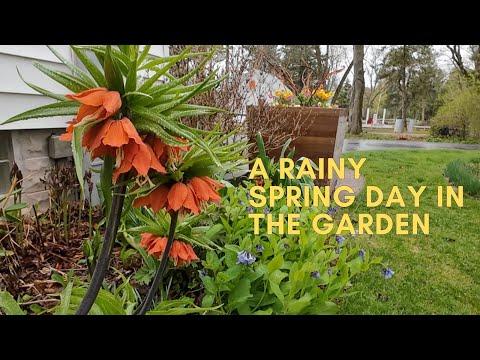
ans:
x=443 y=57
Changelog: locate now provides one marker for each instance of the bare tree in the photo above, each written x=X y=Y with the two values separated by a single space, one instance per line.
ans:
x=342 y=81
x=470 y=66
x=457 y=59
x=355 y=114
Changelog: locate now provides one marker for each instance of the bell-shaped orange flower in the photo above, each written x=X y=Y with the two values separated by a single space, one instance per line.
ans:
x=101 y=138
x=182 y=197
x=96 y=104
x=167 y=153
x=205 y=188
x=181 y=253
x=120 y=139
x=138 y=156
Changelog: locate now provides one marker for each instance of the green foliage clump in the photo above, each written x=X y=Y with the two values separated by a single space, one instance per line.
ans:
x=459 y=114
x=466 y=174
x=277 y=273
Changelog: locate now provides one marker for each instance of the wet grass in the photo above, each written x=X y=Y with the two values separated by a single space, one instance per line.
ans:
x=437 y=273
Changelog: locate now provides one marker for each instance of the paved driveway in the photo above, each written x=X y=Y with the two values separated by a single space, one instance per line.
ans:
x=361 y=145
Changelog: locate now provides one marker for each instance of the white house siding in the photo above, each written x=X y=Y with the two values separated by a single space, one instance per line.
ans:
x=28 y=140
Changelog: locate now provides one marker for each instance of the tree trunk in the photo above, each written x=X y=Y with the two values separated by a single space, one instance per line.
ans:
x=340 y=85
x=404 y=88
x=355 y=114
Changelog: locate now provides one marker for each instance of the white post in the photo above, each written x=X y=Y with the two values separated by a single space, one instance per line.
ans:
x=384 y=113
x=368 y=114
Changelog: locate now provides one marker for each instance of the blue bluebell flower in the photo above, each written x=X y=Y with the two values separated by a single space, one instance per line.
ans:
x=266 y=210
x=203 y=273
x=241 y=203
x=315 y=274
x=259 y=248
x=362 y=254
x=331 y=210
x=245 y=258
x=250 y=209
x=340 y=239
x=388 y=273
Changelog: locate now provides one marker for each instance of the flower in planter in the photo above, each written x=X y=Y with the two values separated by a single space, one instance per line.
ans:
x=245 y=258
x=323 y=95
x=181 y=253
x=283 y=96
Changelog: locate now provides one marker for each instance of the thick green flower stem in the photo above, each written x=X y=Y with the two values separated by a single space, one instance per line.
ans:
x=158 y=279
x=103 y=261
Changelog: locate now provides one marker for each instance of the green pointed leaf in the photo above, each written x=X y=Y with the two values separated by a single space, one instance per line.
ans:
x=144 y=125
x=160 y=72
x=124 y=49
x=112 y=74
x=131 y=82
x=8 y=305
x=61 y=108
x=69 y=81
x=90 y=66
x=75 y=69
x=41 y=90
x=173 y=126
x=101 y=50
x=136 y=93
x=159 y=90
x=185 y=98
x=143 y=54
x=65 y=298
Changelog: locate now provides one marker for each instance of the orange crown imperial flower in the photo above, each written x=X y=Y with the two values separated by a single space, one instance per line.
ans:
x=166 y=153
x=97 y=104
x=120 y=139
x=182 y=197
x=181 y=253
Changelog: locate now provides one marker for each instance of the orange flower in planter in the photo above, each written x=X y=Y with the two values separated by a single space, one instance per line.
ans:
x=97 y=104
x=181 y=253
x=182 y=197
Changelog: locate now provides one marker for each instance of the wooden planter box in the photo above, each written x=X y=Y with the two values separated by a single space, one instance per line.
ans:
x=324 y=137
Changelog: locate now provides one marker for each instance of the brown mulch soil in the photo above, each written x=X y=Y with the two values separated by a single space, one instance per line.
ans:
x=26 y=272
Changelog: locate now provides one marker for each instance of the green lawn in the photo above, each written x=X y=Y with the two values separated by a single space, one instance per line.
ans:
x=434 y=274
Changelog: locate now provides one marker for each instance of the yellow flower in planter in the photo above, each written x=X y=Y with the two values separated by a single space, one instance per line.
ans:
x=283 y=95
x=323 y=95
